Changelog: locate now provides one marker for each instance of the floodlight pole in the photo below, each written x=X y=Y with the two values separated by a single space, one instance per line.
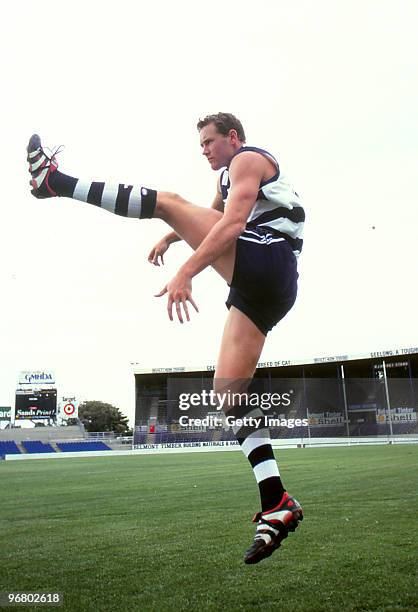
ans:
x=345 y=404
x=387 y=398
x=306 y=406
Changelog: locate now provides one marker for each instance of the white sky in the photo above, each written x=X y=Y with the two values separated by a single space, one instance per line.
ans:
x=330 y=87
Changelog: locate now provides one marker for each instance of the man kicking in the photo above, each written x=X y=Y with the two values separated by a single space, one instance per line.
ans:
x=251 y=236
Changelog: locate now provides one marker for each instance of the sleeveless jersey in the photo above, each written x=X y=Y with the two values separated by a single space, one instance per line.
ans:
x=278 y=208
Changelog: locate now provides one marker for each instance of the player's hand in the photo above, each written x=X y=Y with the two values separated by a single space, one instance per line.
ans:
x=179 y=291
x=157 y=252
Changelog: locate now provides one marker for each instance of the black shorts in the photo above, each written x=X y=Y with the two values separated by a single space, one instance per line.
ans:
x=264 y=282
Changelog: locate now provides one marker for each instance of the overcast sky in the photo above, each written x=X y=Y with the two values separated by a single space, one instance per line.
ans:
x=330 y=87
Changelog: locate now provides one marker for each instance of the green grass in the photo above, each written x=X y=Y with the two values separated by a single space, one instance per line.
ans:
x=168 y=532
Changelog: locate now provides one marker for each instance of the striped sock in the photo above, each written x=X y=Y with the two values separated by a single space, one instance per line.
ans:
x=125 y=200
x=256 y=445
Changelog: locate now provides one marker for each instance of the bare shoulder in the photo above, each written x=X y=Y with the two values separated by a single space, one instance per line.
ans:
x=247 y=157
x=248 y=162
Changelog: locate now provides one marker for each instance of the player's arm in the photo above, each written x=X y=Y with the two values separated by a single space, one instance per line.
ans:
x=245 y=173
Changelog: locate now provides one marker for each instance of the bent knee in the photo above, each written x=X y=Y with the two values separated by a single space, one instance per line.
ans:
x=169 y=197
x=167 y=201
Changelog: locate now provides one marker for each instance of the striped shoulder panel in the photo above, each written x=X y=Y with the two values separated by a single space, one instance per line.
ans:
x=224 y=183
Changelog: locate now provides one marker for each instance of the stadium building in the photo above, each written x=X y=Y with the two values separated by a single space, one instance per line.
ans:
x=323 y=399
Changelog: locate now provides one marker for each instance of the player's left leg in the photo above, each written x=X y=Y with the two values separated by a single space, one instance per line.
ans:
x=240 y=351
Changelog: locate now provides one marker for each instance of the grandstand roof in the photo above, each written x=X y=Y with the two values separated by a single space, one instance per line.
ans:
x=394 y=352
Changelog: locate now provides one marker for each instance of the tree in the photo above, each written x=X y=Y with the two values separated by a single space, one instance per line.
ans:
x=99 y=416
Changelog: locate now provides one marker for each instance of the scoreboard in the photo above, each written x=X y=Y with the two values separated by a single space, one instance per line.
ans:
x=36 y=404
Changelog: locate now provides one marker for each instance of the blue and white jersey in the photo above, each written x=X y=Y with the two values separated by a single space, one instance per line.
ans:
x=278 y=208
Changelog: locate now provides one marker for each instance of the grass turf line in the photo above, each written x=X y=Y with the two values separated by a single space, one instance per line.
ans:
x=168 y=532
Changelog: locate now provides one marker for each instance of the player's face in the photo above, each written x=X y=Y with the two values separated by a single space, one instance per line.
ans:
x=217 y=148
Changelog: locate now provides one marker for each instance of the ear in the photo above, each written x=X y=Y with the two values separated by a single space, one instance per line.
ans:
x=233 y=134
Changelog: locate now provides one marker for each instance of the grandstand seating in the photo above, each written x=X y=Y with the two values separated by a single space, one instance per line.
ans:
x=75 y=447
x=227 y=435
x=189 y=437
x=141 y=437
x=397 y=428
x=36 y=446
x=8 y=447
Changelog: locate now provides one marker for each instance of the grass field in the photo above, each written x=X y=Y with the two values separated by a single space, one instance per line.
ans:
x=168 y=532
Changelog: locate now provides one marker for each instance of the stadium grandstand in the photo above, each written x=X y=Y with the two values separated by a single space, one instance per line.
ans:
x=54 y=440
x=38 y=426
x=371 y=398
x=359 y=398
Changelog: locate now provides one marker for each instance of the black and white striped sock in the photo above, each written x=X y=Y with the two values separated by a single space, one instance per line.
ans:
x=256 y=445
x=125 y=200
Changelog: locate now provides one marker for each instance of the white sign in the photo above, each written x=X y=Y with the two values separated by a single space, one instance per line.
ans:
x=68 y=408
x=221 y=443
x=36 y=378
x=325 y=419
x=396 y=416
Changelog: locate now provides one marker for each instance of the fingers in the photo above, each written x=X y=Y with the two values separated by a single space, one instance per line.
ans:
x=181 y=305
x=155 y=257
x=170 y=302
x=155 y=260
x=185 y=308
x=179 y=313
x=192 y=302
x=162 y=292
x=170 y=308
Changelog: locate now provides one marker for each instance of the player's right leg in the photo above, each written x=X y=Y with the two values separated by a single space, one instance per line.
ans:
x=190 y=222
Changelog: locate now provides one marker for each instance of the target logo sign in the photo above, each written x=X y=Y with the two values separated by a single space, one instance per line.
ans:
x=69 y=409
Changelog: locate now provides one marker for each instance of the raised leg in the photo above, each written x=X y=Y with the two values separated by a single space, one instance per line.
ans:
x=189 y=221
